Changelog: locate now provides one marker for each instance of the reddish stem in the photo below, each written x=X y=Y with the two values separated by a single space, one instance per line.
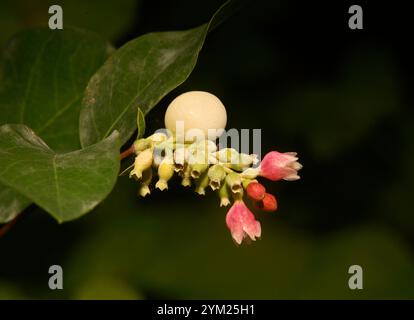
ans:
x=4 y=229
x=127 y=152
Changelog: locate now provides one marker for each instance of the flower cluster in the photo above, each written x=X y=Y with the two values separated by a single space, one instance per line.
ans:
x=230 y=173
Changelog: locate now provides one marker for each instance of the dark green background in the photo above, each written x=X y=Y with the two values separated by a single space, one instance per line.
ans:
x=340 y=98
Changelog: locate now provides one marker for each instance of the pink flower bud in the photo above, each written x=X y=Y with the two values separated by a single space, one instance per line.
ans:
x=276 y=166
x=242 y=223
x=256 y=191
x=268 y=203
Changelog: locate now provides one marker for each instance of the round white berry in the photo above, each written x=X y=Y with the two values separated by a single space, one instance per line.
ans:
x=196 y=115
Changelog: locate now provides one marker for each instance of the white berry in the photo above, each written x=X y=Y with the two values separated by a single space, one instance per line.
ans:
x=197 y=110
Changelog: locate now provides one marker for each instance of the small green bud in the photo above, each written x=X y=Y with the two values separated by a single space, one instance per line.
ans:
x=207 y=146
x=197 y=169
x=246 y=160
x=144 y=190
x=180 y=157
x=242 y=161
x=224 y=195
x=199 y=158
x=158 y=137
x=142 y=162
x=216 y=173
x=227 y=155
x=238 y=195
x=141 y=145
x=250 y=173
x=165 y=173
x=200 y=153
x=162 y=151
x=202 y=184
x=203 y=146
x=234 y=182
x=186 y=174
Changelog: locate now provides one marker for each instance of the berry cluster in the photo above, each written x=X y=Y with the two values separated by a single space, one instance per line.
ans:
x=230 y=173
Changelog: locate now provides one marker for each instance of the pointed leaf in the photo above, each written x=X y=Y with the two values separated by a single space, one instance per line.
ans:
x=11 y=203
x=66 y=185
x=43 y=74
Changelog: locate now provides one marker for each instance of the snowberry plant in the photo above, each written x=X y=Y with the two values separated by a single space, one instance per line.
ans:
x=69 y=103
x=193 y=154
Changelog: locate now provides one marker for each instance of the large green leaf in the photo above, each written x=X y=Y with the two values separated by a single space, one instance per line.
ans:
x=43 y=75
x=66 y=185
x=139 y=74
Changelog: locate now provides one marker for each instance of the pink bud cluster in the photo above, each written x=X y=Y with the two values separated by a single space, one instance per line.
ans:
x=226 y=171
x=274 y=166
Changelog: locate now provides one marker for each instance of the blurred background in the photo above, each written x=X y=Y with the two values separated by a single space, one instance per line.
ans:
x=341 y=98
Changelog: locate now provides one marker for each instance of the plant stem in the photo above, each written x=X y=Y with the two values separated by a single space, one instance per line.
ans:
x=128 y=152
x=4 y=229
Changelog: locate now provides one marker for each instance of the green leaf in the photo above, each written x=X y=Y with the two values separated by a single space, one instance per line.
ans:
x=11 y=203
x=43 y=75
x=140 y=73
x=65 y=185
x=140 y=123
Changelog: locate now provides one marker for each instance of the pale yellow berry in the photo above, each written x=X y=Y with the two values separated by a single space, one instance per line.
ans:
x=203 y=116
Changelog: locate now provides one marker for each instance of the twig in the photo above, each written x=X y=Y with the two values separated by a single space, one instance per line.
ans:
x=4 y=229
x=127 y=152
